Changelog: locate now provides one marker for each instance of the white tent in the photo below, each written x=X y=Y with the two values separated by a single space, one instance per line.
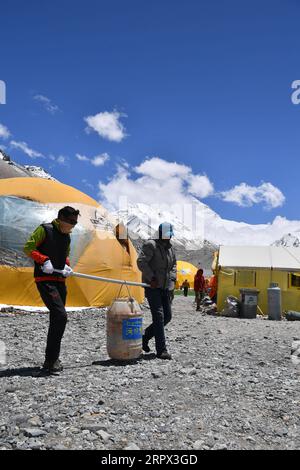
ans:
x=260 y=257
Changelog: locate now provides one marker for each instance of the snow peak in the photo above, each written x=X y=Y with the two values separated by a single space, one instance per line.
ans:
x=2 y=92
x=111 y=460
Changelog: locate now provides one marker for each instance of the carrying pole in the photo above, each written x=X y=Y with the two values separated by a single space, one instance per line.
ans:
x=105 y=279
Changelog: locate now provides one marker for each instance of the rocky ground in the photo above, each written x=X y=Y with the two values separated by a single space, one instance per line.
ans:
x=231 y=385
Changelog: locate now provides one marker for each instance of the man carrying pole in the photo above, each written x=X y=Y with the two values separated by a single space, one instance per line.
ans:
x=49 y=247
x=157 y=262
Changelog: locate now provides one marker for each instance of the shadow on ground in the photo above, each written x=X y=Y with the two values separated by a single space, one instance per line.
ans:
x=23 y=372
x=114 y=362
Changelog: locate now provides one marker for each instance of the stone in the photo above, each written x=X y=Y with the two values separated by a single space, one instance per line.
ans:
x=34 y=432
x=198 y=445
x=103 y=435
x=94 y=427
x=132 y=446
x=35 y=421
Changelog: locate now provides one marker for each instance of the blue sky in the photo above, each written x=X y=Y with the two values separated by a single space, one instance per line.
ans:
x=205 y=84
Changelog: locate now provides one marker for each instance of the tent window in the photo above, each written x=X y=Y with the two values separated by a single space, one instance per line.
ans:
x=245 y=278
x=295 y=280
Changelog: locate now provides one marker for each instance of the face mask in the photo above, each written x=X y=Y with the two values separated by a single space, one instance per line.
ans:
x=65 y=227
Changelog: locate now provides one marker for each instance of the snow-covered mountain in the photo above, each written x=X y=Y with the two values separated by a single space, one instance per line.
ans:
x=11 y=169
x=143 y=220
x=289 y=240
x=39 y=172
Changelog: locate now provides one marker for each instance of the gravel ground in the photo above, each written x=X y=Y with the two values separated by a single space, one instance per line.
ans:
x=231 y=385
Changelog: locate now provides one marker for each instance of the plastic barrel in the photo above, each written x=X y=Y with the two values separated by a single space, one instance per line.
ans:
x=124 y=330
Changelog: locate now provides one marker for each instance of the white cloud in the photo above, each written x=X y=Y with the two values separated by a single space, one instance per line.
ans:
x=62 y=160
x=4 y=132
x=98 y=160
x=82 y=158
x=159 y=182
x=158 y=168
x=200 y=186
x=23 y=146
x=48 y=105
x=107 y=125
x=245 y=196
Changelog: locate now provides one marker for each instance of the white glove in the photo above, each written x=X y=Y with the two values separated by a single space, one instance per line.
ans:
x=47 y=267
x=67 y=271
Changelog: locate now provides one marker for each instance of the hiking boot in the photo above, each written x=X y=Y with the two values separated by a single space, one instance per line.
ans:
x=145 y=345
x=198 y=309
x=53 y=367
x=164 y=355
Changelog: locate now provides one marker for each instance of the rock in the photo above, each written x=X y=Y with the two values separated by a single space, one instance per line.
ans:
x=34 y=432
x=220 y=447
x=198 y=445
x=189 y=371
x=20 y=419
x=156 y=374
x=132 y=446
x=94 y=427
x=35 y=445
x=35 y=421
x=103 y=435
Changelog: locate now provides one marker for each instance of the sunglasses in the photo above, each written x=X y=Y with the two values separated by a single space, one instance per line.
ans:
x=70 y=222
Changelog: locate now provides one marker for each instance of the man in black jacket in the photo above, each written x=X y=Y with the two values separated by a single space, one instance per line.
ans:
x=49 y=247
x=157 y=262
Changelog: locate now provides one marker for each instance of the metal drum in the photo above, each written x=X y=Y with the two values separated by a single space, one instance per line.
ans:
x=274 y=302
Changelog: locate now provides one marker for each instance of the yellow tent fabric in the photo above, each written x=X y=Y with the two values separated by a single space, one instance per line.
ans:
x=25 y=203
x=185 y=271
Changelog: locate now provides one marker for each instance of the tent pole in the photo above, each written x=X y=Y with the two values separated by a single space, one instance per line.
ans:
x=105 y=279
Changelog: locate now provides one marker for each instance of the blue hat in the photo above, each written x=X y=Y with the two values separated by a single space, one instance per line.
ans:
x=165 y=230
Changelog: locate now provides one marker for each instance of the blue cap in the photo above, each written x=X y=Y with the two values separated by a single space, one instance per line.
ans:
x=165 y=230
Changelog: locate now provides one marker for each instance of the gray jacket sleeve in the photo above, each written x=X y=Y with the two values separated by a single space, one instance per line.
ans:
x=144 y=257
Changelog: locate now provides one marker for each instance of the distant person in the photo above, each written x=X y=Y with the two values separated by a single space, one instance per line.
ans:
x=185 y=286
x=199 y=287
x=213 y=288
x=49 y=247
x=157 y=263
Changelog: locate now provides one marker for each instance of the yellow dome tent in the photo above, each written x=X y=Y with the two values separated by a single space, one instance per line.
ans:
x=185 y=271
x=25 y=203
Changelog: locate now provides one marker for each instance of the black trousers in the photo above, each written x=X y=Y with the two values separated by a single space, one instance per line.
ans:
x=54 y=296
x=160 y=306
x=185 y=291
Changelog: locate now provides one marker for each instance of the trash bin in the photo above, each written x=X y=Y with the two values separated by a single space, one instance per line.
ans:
x=249 y=301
